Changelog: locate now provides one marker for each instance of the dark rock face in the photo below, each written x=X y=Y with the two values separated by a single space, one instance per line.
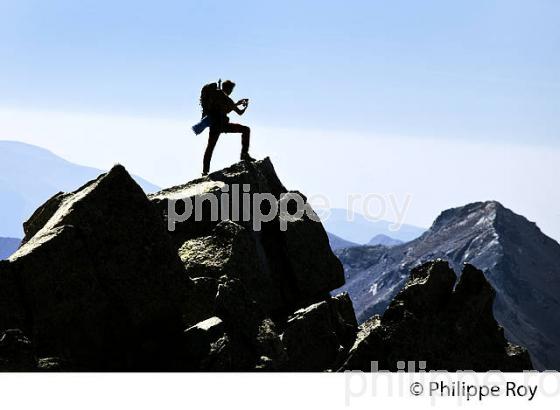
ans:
x=283 y=269
x=230 y=249
x=42 y=215
x=101 y=284
x=519 y=261
x=431 y=321
x=314 y=268
x=327 y=329
x=16 y=352
x=200 y=300
x=252 y=281
x=199 y=340
x=97 y=282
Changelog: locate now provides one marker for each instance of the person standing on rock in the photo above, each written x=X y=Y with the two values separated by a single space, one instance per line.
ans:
x=216 y=105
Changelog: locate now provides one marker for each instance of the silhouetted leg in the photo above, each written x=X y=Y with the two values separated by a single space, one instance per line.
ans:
x=245 y=140
x=212 y=140
x=245 y=136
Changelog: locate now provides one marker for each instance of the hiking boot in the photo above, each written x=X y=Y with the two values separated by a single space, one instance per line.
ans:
x=246 y=157
x=204 y=174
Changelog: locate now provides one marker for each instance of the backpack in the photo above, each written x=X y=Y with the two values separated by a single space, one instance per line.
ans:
x=208 y=97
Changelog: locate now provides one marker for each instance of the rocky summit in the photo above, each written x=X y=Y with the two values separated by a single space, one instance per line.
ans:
x=110 y=279
x=96 y=283
x=519 y=261
x=438 y=323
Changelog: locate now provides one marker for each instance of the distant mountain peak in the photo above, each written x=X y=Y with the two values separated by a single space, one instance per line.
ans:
x=337 y=242
x=487 y=210
x=357 y=228
x=29 y=175
x=518 y=260
x=385 y=240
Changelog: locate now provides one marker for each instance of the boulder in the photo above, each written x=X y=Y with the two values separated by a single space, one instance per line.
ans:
x=230 y=249
x=240 y=311
x=315 y=269
x=198 y=340
x=283 y=269
x=344 y=318
x=97 y=281
x=433 y=320
x=204 y=196
x=251 y=335
x=317 y=337
x=224 y=185
x=42 y=214
x=208 y=346
x=265 y=272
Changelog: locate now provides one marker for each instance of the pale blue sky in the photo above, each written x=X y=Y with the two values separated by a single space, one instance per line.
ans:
x=466 y=69
x=448 y=101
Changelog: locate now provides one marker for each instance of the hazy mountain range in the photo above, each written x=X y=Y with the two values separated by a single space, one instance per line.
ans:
x=384 y=240
x=8 y=246
x=337 y=242
x=361 y=230
x=520 y=262
x=29 y=175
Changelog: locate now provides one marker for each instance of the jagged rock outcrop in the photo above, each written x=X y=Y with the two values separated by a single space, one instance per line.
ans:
x=519 y=261
x=433 y=319
x=326 y=328
x=253 y=280
x=285 y=269
x=97 y=282
x=102 y=283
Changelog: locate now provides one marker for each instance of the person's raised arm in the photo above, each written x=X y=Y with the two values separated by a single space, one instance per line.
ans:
x=244 y=103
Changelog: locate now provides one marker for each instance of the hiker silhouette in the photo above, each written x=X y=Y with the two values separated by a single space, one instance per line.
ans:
x=216 y=105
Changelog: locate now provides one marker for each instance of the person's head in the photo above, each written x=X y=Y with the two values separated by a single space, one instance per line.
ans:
x=228 y=86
